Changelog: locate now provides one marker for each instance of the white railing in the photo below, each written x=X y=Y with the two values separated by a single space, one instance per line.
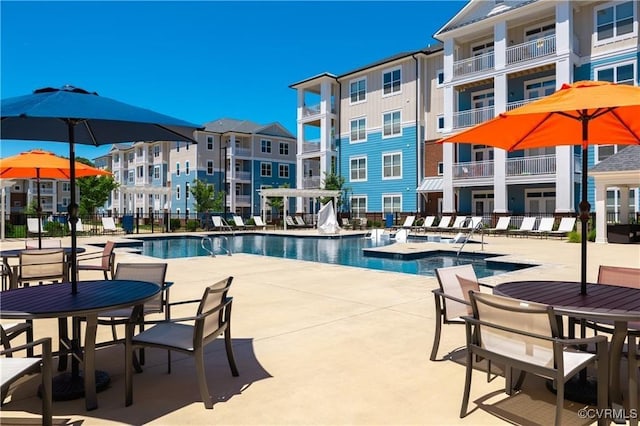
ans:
x=309 y=110
x=531 y=49
x=473 y=169
x=242 y=151
x=518 y=104
x=534 y=165
x=311 y=182
x=474 y=64
x=310 y=147
x=471 y=117
x=243 y=199
x=243 y=175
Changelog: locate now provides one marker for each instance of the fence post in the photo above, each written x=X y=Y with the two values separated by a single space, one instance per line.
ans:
x=138 y=222
x=151 y=219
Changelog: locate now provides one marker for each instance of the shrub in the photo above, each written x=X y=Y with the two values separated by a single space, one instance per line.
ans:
x=591 y=236
x=54 y=229
x=192 y=225
x=175 y=224
x=574 y=237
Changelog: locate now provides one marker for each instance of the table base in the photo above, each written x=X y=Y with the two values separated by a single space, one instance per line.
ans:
x=66 y=387
x=579 y=389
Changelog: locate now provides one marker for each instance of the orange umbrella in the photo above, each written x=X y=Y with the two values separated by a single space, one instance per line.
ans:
x=583 y=113
x=37 y=164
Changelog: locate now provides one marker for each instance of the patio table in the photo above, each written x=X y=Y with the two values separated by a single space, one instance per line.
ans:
x=57 y=301
x=610 y=303
x=15 y=253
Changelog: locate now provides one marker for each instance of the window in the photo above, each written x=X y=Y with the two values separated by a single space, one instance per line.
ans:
x=156 y=172
x=186 y=191
x=391 y=82
x=177 y=169
x=210 y=143
x=358 y=169
x=604 y=151
x=66 y=187
x=358 y=90
x=265 y=169
x=140 y=153
x=131 y=176
x=116 y=158
x=177 y=146
x=615 y=20
x=392 y=166
x=440 y=168
x=209 y=167
x=156 y=151
x=440 y=126
x=130 y=157
x=358 y=205
x=265 y=146
x=391 y=124
x=618 y=73
x=186 y=167
x=359 y=130
x=140 y=171
x=177 y=192
x=284 y=148
x=440 y=77
x=391 y=203
x=283 y=170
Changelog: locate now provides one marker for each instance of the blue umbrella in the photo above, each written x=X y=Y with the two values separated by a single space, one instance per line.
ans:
x=74 y=115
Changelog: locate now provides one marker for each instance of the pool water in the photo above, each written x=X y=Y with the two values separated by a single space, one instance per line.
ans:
x=346 y=251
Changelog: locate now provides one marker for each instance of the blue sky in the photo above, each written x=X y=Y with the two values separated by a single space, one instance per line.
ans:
x=200 y=61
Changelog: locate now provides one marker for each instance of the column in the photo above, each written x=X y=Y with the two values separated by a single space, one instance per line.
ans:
x=564 y=27
x=565 y=164
x=500 y=192
x=601 y=212
x=624 y=204
x=500 y=45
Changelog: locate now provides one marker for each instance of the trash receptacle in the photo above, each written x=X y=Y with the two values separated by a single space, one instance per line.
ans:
x=127 y=224
x=388 y=222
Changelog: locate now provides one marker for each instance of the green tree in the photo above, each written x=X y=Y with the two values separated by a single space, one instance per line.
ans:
x=94 y=190
x=334 y=182
x=277 y=203
x=205 y=196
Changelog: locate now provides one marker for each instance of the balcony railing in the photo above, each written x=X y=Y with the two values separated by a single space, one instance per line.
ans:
x=474 y=64
x=518 y=104
x=243 y=175
x=473 y=169
x=314 y=146
x=243 y=199
x=309 y=110
x=471 y=117
x=534 y=165
x=311 y=182
x=531 y=49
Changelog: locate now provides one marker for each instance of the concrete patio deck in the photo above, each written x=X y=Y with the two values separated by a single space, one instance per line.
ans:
x=322 y=344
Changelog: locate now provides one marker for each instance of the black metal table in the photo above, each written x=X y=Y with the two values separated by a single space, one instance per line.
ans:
x=14 y=253
x=57 y=301
x=616 y=304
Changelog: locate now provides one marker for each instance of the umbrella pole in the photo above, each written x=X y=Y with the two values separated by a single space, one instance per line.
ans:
x=38 y=208
x=73 y=208
x=584 y=206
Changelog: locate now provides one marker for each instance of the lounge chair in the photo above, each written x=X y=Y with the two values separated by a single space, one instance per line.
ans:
x=443 y=225
x=211 y=319
x=239 y=223
x=220 y=224
x=501 y=227
x=474 y=222
x=12 y=369
x=524 y=337
x=79 y=226
x=346 y=224
x=260 y=223
x=301 y=223
x=566 y=226
x=407 y=224
x=32 y=226
x=109 y=225
x=527 y=225
x=545 y=227
x=458 y=224
x=452 y=298
x=290 y=222
x=427 y=224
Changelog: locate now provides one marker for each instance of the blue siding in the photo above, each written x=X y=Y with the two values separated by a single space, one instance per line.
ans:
x=375 y=187
x=273 y=181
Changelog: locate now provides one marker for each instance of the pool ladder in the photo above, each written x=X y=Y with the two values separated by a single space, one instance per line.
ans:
x=479 y=226
x=209 y=249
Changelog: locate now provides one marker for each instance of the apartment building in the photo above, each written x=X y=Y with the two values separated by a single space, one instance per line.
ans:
x=499 y=55
x=55 y=195
x=378 y=125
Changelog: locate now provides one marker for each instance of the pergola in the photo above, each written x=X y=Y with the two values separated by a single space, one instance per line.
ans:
x=620 y=170
x=287 y=193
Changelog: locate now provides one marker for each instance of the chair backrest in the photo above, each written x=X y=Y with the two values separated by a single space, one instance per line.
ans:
x=546 y=224
x=290 y=221
x=364 y=222
x=408 y=221
x=444 y=222
x=503 y=223
x=300 y=221
x=258 y=221
x=428 y=221
x=45 y=265
x=503 y=322
x=108 y=256
x=567 y=224
x=528 y=224
x=238 y=220
x=451 y=280
x=207 y=328
x=217 y=221
x=44 y=244
x=79 y=226
x=475 y=221
x=150 y=272
x=108 y=223
x=620 y=276
x=459 y=221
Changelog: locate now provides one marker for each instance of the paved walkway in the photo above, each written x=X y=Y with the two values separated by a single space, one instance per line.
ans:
x=323 y=344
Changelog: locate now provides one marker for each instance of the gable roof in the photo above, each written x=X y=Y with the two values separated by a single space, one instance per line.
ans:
x=627 y=159
x=231 y=125
x=480 y=10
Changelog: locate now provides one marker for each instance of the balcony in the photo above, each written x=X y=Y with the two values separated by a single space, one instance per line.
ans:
x=518 y=104
x=243 y=200
x=310 y=110
x=243 y=176
x=311 y=182
x=473 y=65
x=533 y=49
x=239 y=150
x=522 y=166
x=473 y=170
x=314 y=146
x=471 y=117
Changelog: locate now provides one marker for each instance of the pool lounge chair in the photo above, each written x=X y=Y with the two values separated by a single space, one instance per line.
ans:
x=501 y=227
x=109 y=225
x=458 y=224
x=545 y=227
x=260 y=223
x=566 y=226
x=527 y=225
x=219 y=224
x=407 y=224
x=444 y=223
x=426 y=224
x=239 y=223
x=32 y=226
x=301 y=223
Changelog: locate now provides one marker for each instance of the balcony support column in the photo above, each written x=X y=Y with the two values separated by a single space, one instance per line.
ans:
x=500 y=45
x=500 y=193
x=601 y=212
x=564 y=28
x=565 y=164
x=448 y=149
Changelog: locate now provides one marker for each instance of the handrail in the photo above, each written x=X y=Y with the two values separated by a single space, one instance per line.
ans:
x=480 y=226
x=210 y=251
x=227 y=249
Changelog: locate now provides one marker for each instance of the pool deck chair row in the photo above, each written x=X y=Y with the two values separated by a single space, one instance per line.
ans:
x=545 y=227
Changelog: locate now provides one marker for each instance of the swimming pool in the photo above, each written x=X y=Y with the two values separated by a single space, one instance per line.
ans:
x=348 y=251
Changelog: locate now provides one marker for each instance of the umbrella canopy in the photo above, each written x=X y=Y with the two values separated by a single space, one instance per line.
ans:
x=583 y=113
x=38 y=164
x=75 y=115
